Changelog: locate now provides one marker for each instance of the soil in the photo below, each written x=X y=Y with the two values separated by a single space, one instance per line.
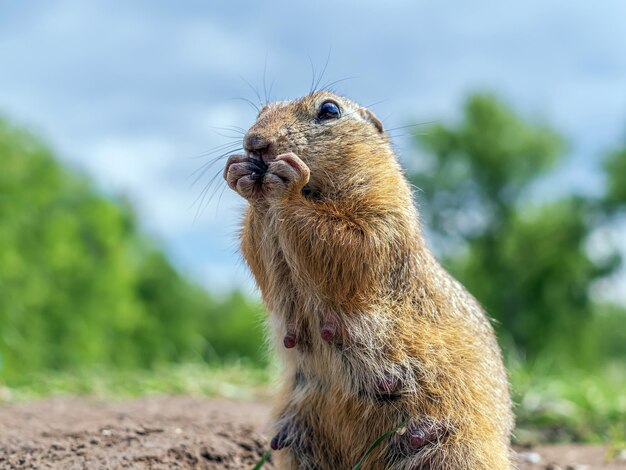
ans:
x=179 y=432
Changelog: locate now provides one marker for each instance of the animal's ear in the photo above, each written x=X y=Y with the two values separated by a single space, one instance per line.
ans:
x=369 y=116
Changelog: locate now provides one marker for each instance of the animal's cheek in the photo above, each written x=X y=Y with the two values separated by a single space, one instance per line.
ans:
x=292 y=140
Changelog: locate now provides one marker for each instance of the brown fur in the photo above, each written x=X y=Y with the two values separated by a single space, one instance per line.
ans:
x=332 y=237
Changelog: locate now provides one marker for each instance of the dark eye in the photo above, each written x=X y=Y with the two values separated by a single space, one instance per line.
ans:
x=328 y=110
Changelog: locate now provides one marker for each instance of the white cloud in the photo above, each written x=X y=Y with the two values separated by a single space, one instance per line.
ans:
x=131 y=91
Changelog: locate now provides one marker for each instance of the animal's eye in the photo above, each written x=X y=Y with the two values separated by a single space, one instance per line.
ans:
x=328 y=110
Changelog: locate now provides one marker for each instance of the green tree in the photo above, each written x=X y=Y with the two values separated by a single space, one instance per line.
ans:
x=526 y=262
x=80 y=284
x=615 y=169
x=612 y=319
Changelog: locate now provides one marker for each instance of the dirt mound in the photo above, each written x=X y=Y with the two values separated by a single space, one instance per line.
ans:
x=174 y=432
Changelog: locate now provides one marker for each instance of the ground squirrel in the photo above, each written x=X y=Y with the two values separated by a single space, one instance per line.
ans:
x=373 y=332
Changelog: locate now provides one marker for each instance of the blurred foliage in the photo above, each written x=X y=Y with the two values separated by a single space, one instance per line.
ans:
x=579 y=406
x=615 y=169
x=81 y=285
x=526 y=262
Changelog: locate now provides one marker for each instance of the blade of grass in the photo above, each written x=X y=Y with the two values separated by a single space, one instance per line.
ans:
x=376 y=444
x=263 y=460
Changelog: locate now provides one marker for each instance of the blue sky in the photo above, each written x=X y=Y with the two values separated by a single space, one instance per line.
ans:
x=129 y=92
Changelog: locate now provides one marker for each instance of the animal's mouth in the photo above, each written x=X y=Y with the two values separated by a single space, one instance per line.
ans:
x=257 y=166
x=263 y=155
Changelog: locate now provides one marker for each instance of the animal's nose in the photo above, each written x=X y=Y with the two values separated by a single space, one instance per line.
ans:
x=256 y=143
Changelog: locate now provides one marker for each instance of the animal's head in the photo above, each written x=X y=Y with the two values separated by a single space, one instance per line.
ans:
x=341 y=142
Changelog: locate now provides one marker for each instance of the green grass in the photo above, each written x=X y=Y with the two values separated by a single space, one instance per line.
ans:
x=378 y=442
x=552 y=405
x=233 y=380
x=569 y=405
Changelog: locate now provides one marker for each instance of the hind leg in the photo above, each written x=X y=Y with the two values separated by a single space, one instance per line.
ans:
x=425 y=447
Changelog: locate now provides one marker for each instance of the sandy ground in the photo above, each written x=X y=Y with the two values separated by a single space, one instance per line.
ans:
x=177 y=432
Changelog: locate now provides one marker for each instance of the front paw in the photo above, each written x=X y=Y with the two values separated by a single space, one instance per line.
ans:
x=287 y=173
x=256 y=180
x=244 y=175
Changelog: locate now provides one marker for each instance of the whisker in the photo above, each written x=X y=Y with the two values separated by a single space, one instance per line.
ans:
x=396 y=136
x=323 y=70
x=236 y=129
x=264 y=79
x=201 y=171
x=202 y=196
x=326 y=86
x=376 y=103
x=225 y=152
x=219 y=148
x=251 y=103
x=237 y=134
x=210 y=185
x=413 y=125
x=219 y=199
x=313 y=75
x=254 y=90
